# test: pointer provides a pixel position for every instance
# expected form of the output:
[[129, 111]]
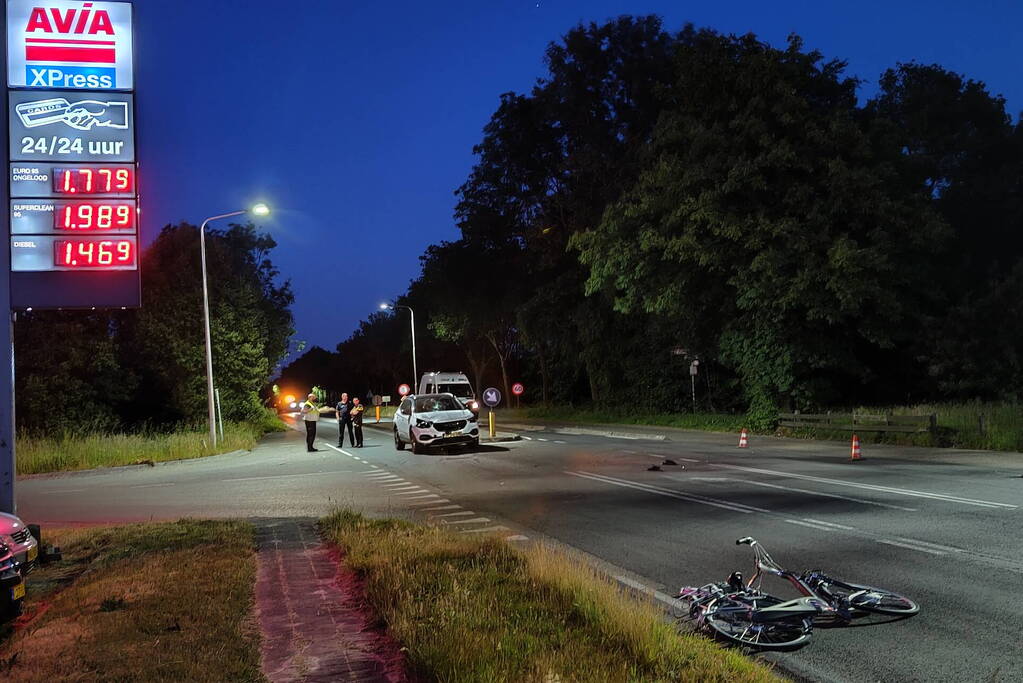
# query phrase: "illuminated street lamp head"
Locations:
[[260, 209], [385, 307]]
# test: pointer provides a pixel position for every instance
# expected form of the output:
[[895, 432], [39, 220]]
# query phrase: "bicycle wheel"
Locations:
[[870, 599], [730, 620]]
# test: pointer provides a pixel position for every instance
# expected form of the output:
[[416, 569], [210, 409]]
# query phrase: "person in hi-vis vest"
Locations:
[[310, 415]]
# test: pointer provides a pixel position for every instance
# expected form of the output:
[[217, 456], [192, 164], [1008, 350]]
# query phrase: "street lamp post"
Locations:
[[412, 321], [258, 210]]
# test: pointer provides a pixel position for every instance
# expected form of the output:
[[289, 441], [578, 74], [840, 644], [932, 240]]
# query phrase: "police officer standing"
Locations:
[[344, 419], [357, 410], [310, 415]]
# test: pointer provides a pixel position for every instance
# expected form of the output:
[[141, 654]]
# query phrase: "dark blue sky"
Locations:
[[356, 121]]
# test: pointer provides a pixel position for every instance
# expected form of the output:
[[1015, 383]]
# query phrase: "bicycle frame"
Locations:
[[808, 584]]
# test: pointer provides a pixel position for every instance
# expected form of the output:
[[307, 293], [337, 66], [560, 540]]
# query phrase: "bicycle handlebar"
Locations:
[[746, 540]]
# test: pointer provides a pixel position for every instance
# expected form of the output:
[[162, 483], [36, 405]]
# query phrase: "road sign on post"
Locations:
[[404, 389], [518, 389], [70, 200], [491, 398]]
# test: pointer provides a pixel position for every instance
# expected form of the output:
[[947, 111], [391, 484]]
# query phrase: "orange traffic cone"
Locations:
[[855, 455], [743, 440]]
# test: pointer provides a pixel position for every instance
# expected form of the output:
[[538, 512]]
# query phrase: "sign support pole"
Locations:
[[8, 460]]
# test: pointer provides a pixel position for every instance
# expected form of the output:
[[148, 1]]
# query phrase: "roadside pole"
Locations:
[[493, 427], [8, 459]]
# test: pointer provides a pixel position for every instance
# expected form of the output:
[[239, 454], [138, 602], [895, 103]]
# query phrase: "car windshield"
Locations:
[[462, 390], [431, 404]]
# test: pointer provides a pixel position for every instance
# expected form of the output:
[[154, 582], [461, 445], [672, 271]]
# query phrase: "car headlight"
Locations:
[[473, 405], [422, 423]]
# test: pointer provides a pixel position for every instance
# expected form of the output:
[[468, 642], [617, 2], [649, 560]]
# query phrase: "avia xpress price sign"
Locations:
[[72, 173]]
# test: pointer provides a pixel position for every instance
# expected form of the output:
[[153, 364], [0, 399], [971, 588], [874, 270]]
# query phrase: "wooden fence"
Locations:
[[861, 422]]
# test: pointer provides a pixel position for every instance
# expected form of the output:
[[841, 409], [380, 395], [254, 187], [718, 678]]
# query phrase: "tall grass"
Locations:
[[975, 425], [84, 450], [475, 609]]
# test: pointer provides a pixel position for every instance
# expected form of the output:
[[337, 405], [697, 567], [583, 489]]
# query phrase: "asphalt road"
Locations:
[[940, 526]]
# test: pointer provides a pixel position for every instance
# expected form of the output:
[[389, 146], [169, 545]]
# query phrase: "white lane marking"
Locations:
[[663, 597], [516, 537], [403, 486], [911, 547], [687, 459], [416, 493], [382, 477], [713, 502], [874, 487], [540, 439], [455, 514], [830, 524], [808, 524], [427, 502], [55, 491], [561, 442], [420, 497], [150, 486], [527, 438], [809, 492], [936, 546], [446, 507], [341, 450], [475, 520], [483, 530], [285, 476]]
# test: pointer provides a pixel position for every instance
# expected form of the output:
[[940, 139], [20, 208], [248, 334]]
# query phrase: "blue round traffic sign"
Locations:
[[491, 396]]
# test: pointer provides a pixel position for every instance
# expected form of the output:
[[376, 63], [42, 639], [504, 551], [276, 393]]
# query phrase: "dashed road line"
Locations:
[[285, 476], [936, 546], [910, 546], [819, 527], [946, 498], [446, 507], [809, 492], [150, 486], [427, 502], [475, 520], [692, 498], [464, 513]]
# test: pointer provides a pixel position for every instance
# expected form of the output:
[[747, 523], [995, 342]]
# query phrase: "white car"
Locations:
[[434, 420], [16, 536]]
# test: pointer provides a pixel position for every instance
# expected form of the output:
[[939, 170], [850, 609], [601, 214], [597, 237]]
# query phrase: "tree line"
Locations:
[[660, 197], [145, 369]]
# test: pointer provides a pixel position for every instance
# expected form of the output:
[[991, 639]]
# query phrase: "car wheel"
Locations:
[[398, 443], [475, 444]]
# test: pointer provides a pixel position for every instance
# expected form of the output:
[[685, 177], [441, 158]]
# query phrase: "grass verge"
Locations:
[[71, 451], [143, 602], [475, 609], [972, 425]]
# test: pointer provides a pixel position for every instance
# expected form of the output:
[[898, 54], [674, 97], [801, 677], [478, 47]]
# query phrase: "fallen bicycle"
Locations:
[[744, 615]]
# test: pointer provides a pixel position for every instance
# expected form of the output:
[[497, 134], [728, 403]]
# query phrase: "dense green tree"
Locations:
[[766, 213]]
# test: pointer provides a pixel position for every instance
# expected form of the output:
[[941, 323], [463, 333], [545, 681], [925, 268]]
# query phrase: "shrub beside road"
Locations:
[[972, 425], [475, 609], [142, 602]]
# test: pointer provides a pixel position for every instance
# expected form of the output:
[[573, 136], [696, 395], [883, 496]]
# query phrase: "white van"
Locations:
[[454, 383]]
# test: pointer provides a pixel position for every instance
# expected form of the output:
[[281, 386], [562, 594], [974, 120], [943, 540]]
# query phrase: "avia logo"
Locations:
[[72, 35]]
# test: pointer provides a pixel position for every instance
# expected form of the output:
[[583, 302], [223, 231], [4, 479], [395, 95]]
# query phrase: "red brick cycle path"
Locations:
[[314, 622]]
